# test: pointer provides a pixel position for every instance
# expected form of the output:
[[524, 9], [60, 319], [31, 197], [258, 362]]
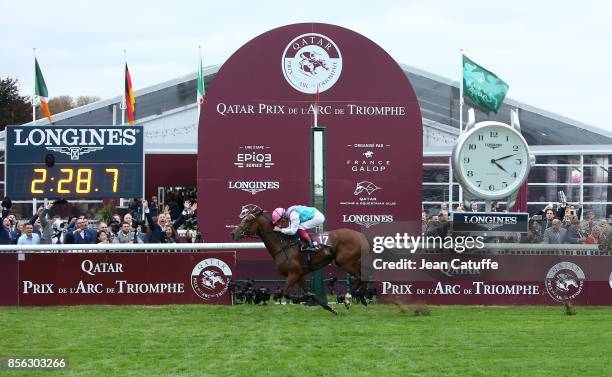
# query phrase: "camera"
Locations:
[[115, 226], [59, 225]]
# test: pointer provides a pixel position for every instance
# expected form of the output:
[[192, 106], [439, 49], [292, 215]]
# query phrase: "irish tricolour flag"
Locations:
[[40, 90]]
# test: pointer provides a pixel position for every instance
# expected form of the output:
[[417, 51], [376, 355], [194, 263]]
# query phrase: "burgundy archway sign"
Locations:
[[254, 142]]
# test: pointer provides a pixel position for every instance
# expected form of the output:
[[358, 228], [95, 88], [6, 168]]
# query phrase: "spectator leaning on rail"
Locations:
[[126, 235], [28, 238], [555, 234]]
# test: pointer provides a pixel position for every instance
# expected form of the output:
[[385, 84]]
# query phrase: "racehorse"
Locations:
[[345, 248]]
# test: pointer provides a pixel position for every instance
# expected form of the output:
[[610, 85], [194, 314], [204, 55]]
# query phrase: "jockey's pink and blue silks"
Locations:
[[277, 214], [302, 217]]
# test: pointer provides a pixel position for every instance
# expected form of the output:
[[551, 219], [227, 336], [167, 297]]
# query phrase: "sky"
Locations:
[[555, 55]]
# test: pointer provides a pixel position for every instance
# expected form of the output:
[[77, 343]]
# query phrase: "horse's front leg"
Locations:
[[323, 304], [292, 279]]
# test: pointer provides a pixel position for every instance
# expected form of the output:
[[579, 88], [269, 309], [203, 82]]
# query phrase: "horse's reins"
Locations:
[[284, 248]]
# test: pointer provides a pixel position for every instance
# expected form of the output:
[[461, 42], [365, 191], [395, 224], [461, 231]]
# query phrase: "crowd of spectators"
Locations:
[[557, 223], [144, 222]]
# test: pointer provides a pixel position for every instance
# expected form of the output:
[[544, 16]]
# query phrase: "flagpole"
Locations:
[[461, 95], [200, 76], [460, 199], [34, 92], [123, 100], [316, 109]]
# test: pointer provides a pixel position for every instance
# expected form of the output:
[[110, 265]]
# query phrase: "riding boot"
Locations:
[[311, 246]]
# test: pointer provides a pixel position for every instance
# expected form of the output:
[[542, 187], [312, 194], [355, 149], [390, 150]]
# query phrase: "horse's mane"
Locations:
[[267, 215]]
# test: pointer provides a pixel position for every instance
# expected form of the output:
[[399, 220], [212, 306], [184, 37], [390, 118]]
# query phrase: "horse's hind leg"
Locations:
[[323, 304]]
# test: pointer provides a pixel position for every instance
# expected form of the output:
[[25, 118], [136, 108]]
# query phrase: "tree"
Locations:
[[60, 104], [14, 109], [86, 100]]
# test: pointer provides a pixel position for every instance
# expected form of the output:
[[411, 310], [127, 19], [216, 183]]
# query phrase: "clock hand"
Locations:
[[503, 158], [493, 161]]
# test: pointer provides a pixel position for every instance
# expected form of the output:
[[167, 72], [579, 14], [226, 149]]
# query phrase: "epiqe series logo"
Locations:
[[311, 62], [253, 156], [210, 278], [564, 281]]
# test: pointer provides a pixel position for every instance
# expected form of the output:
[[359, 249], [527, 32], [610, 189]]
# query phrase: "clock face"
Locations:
[[493, 161]]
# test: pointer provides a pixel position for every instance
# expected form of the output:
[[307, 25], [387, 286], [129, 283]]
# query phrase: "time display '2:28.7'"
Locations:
[[78, 180], [494, 161]]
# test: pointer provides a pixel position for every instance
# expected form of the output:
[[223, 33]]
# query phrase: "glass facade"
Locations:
[[583, 178]]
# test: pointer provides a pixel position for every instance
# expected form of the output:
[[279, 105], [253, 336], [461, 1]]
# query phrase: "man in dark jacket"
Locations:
[[574, 234], [81, 233], [156, 228]]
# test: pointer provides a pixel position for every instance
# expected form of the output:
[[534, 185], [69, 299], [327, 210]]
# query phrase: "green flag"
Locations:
[[201, 92], [483, 87]]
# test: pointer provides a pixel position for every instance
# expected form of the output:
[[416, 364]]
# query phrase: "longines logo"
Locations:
[[493, 145], [312, 62], [76, 142], [254, 156], [253, 186], [367, 221], [490, 222]]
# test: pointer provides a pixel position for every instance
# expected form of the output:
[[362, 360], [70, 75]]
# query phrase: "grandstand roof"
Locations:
[[438, 98]]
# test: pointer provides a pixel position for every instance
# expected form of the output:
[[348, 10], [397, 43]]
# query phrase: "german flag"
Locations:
[[130, 100]]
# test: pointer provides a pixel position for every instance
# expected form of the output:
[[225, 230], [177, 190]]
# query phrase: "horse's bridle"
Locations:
[[250, 218]]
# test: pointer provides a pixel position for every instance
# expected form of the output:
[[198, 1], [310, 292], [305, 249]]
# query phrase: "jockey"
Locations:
[[301, 218]]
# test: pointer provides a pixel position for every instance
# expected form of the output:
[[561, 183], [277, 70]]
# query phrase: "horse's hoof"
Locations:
[[334, 311]]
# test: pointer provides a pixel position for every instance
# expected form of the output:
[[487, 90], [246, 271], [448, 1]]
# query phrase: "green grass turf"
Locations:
[[302, 341]]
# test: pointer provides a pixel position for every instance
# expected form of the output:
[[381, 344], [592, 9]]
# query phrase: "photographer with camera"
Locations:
[[115, 224]]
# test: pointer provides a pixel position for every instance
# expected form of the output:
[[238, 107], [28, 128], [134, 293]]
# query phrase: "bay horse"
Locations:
[[345, 248]]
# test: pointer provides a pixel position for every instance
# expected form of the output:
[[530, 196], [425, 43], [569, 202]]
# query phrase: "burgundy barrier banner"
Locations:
[[495, 279], [117, 278], [8, 279], [255, 137]]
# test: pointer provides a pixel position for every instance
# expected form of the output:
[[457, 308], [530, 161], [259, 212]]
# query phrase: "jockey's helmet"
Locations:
[[277, 214]]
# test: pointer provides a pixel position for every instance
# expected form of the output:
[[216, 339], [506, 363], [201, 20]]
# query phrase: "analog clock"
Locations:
[[491, 160]]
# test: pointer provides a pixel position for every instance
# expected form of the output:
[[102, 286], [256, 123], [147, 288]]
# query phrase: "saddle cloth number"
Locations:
[[321, 239]]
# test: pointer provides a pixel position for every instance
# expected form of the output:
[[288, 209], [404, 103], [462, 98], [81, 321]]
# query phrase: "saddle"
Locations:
[[319, 241]]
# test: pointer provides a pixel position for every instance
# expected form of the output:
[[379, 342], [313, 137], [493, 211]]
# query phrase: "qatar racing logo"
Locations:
[[564, 281], [210, 278], [366, 186], [312, 62]]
